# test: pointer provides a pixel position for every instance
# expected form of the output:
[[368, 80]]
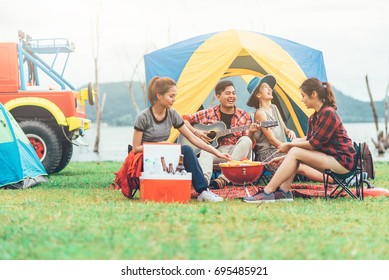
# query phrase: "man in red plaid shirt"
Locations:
[[238, 144]]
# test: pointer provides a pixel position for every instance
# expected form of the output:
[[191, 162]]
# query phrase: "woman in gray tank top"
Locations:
[[267, 139]]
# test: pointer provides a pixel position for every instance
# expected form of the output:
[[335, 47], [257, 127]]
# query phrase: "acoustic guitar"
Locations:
[[216, 130]]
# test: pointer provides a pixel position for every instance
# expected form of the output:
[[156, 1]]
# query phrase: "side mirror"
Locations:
[[88, 94], [91, 94]]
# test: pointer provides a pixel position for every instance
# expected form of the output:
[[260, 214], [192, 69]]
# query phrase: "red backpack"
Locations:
[[127, 178]]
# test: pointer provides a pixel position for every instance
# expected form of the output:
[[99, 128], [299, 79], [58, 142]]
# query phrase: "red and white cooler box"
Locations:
[[159, 186]]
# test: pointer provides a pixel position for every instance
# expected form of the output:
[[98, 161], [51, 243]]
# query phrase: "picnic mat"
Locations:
[[299, 190]]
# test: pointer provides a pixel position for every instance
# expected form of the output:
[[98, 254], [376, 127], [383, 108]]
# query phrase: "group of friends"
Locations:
[[325, 146]]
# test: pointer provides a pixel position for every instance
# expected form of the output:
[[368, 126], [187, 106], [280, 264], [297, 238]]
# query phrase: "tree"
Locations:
[[382, 139], [95, 50], [131, 83], [141, 77]]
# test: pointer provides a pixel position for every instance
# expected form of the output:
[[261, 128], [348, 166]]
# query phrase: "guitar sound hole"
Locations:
[[211, 134]]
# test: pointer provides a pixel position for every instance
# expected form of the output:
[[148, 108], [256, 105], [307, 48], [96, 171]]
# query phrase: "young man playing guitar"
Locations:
[[238, 144]]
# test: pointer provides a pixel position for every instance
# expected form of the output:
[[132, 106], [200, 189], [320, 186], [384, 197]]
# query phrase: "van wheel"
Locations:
[[45, 142], [67, 152]]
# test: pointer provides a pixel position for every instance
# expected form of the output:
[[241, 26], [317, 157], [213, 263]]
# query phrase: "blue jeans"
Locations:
[[192, 165]]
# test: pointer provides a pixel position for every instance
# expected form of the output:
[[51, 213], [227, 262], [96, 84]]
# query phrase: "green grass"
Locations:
[[74, 216]]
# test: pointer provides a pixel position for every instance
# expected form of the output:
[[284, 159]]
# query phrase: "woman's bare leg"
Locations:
[[285, 186], [287, 170], [310, 173]]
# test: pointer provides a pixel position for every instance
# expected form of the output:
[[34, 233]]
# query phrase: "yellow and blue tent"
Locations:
[[198, 64]]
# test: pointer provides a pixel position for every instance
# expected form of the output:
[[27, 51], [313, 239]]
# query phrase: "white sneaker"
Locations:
[[207, 195]]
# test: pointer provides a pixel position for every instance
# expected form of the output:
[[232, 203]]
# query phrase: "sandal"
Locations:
[[218, 183]]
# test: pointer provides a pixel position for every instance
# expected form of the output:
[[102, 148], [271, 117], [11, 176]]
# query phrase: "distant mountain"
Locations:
[[353, 110], [119, 111]]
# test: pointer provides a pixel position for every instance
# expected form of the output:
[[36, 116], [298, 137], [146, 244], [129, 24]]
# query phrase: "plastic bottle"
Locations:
[[149, 168], [157, 166]]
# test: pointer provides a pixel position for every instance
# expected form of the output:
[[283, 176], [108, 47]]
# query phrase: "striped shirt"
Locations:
[[327, 134], [212, 115]]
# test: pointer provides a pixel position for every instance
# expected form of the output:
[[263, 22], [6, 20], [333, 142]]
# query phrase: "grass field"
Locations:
[[74, 217]]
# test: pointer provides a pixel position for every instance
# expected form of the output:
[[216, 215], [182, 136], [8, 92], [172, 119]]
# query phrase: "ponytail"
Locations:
[[151, 94], [328, 95]]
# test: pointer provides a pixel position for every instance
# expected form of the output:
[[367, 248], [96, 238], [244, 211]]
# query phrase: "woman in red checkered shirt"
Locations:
[[326, 145]]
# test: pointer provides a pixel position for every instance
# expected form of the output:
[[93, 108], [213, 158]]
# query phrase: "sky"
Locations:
[[353, 35]]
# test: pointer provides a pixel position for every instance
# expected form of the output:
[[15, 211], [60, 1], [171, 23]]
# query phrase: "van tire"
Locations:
[[45, 142]]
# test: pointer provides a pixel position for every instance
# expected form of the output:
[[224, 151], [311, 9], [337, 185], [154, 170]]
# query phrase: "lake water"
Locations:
[[114, 142]]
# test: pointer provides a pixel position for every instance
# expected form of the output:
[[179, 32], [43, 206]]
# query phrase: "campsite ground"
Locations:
[[74, 217]]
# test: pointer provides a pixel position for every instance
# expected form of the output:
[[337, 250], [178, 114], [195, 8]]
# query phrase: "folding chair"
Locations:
[[216, 171], [343, 182], [265, 177]]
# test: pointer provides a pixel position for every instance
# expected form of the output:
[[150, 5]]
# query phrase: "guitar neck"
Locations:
[[232, 130], [238, 128]]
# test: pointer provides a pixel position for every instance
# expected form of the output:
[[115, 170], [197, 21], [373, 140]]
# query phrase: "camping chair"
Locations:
[[265, 177], [343, 182], [216, 171]]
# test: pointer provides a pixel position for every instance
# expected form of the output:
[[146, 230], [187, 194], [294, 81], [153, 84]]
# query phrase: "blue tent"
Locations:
[[20, 166], [197, 64]]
